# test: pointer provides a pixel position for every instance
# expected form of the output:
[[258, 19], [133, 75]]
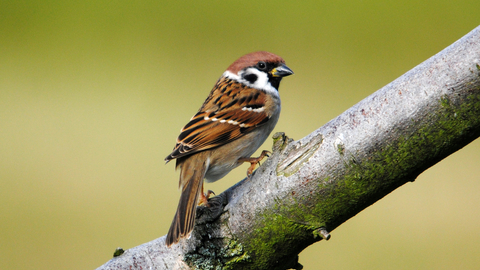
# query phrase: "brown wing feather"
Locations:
[[231, 111]]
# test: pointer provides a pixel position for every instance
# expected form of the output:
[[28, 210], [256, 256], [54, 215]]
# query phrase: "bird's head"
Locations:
[[261, 70]]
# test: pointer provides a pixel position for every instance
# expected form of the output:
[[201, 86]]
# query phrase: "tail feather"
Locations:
[[191, 181]]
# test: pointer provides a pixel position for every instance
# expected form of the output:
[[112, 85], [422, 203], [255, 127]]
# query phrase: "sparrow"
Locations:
[[233, 122]]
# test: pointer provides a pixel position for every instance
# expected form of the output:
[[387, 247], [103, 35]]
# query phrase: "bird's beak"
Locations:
[[281, 71]]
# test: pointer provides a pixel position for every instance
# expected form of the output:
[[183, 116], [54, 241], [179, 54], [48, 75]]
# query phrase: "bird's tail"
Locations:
[[191, 182]]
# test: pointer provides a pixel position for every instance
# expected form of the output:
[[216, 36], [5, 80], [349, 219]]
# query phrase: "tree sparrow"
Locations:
[[233, 122]]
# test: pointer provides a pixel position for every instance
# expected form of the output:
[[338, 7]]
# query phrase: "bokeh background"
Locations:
[[94, 93]]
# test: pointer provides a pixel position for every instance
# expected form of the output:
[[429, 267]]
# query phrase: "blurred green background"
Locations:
[[93, 94]]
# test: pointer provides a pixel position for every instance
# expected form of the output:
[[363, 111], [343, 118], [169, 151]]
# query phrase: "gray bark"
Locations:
[[309, 187]]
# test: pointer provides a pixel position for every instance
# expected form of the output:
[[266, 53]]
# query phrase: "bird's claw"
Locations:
[[254, 161], [204, 198]]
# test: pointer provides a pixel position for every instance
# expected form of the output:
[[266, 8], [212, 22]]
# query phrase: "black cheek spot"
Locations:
[[252, 78]]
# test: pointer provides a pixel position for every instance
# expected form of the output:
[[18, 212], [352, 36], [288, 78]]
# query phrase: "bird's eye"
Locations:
[[262, 65]]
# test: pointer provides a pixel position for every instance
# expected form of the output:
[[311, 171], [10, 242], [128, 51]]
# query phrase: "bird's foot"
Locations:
[[254, 161], [204, 198]]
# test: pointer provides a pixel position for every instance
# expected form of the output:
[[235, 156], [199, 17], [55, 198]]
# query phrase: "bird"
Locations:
[[236, 118]]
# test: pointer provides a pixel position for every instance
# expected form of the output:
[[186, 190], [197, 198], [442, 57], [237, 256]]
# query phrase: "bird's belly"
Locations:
[[225, 158], [217, 172], [221, 164]]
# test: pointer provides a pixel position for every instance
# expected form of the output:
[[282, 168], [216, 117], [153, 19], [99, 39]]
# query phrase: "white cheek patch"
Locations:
[[261, 83], [262, 79]]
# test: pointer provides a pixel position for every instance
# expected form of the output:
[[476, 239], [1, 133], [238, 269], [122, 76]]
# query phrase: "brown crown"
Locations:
[[252, 59]]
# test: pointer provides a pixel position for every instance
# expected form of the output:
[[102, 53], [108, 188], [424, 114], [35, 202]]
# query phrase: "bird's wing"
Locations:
[[231, 111]]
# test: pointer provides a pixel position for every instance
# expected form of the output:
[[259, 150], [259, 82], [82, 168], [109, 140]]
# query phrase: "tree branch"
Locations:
[[309, 187]]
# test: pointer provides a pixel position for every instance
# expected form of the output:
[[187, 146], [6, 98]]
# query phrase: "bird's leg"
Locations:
[[204, 197], [254, 161]]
